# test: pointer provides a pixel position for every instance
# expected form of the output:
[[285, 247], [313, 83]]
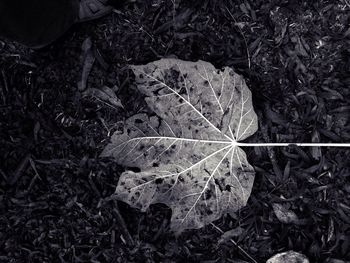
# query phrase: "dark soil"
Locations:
[[54, 188]]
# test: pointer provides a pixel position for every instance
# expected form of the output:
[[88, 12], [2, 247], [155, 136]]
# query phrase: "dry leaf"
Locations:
[[285, 215], [88, 62], [106, 95], [231, 234], [187, 153], [288, 257]]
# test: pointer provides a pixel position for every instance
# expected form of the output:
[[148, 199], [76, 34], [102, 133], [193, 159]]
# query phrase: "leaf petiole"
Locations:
[[243, 144]]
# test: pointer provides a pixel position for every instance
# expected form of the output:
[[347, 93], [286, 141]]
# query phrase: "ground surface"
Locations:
[[54, 188]]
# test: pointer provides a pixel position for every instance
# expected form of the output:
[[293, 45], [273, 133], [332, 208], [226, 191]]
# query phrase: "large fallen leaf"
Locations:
[[187, 152]]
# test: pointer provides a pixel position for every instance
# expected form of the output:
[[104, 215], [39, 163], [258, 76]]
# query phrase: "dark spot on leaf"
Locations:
[[157, 91], [182, 91], [207, 194], [155, 165], [228, 188], [219, 184], [173, 146], [138, 121], [159, 181]]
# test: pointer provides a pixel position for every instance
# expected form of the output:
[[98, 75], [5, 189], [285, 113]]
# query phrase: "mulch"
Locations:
[[55, 190]]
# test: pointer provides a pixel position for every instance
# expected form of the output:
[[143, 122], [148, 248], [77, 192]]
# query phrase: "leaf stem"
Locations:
[[243, 144]]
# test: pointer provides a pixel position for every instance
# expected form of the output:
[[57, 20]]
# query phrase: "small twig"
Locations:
[[36, 175], [123, 228], [5, 91], [235, 243], [100, 59], [32, 164], [32, 181], [5, 81], [245, 40], [3, 175], [19, 170]]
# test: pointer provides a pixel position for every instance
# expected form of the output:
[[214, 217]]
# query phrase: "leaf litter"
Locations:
[[273, 75]]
